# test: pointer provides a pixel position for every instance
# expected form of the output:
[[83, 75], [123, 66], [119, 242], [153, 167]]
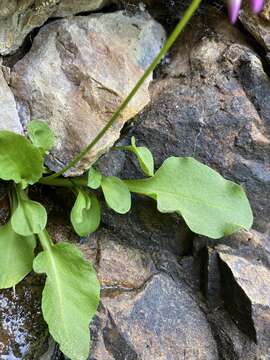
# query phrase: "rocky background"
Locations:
[[167, 293]]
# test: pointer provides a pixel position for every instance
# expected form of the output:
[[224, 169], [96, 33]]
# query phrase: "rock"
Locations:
[[147, 324], [216, 110], [68, 7], [246, 291], [212, 104], [232, 343], [119, 265], [77, 73], [18, 19], [22, 330], [144, 311], [7, 8], [258, 26], [8, 112]]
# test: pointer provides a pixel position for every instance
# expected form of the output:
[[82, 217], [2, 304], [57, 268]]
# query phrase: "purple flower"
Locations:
[[235, 5], [256, 5]]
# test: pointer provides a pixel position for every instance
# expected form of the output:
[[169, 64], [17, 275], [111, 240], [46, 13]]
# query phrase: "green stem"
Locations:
[[181, 25], [63, 182], [45, 240]]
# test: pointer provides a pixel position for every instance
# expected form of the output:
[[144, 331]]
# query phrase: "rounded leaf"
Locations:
[[20, 161], [210, 205], [29, 218], [117, 194], [85, 219], [41, 135], [94, 178]]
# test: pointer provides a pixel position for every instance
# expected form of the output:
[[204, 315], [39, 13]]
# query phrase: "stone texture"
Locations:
[[8, 112], [258, 26], [147, 324], [68, 7], [19, 18], [77, 73], [213, 104], [246, 291], [145, 309], [22, 329]]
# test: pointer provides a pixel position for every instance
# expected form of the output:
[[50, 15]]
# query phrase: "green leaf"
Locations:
[[20, 161], [16, 256], [116, 193], [41, 135], [94, 178], [210, 205], [144, 157], [70, 297], [29, 217], [85, 214]]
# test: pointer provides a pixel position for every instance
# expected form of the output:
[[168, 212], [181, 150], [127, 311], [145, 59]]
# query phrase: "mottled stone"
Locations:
[[213, 104], [22, 329], [77, 73], [69, 7], [258, 26], [148, 324], [246, 291], [19, 18], [9, 119], [120, 265]]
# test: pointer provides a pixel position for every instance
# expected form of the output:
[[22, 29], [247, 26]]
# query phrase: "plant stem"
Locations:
[[80, 181], [181, 25], [45, 240]]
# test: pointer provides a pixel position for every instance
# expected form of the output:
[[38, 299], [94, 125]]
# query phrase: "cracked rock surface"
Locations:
[[19, 17], [76, 74]]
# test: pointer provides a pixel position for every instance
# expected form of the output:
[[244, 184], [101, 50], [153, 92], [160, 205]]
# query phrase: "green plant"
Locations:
[[210, 205]]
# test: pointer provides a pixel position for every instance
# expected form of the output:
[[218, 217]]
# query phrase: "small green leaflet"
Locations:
[[144, 157], [210, 205], [41, 135], [117, 194], [16, 256], [94, 178], [20, 161], [70, 297], [29, 217], [143, 154], [85, 214]]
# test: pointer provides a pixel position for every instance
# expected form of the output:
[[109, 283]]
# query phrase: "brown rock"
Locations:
[[258, 26], [246, 290], [19, 18], [77, 73]]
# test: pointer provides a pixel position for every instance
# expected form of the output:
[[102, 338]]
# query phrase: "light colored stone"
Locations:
[[9, 119], [70, 7], [246, 290], [258, 26], [78, 72], [19, 18]]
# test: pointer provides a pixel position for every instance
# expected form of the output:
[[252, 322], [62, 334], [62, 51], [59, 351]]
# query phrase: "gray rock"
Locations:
[[68, 7], [22, 329], [246, 292], [258, 26], [147, 324], [8, 111], [77, 73], [213, 105], [144, 311], [19, 18]]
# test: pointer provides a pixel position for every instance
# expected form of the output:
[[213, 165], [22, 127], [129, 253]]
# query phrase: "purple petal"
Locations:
[[256, 5], [233, 9]]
